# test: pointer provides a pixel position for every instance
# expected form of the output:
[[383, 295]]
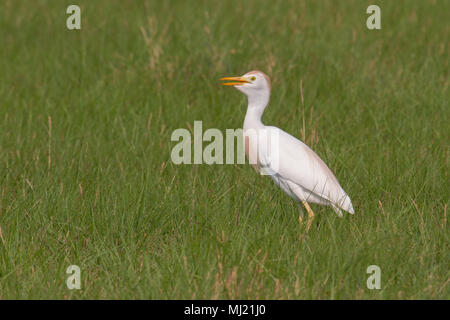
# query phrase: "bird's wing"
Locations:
[[295, 161]]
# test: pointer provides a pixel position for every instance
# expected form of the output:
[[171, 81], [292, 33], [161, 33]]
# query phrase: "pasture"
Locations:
[[86, 177]]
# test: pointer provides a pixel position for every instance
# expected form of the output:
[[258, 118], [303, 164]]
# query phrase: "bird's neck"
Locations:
[[255, 110]]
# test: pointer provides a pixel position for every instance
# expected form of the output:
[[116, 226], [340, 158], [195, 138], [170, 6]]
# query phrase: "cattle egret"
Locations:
[[298, 170]]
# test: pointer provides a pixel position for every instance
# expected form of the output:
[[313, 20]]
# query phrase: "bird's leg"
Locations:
[[310, 215], [301, 213]]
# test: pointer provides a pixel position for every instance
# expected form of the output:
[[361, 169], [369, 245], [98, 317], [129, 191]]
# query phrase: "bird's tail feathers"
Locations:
[[345, 204], [337, 210]]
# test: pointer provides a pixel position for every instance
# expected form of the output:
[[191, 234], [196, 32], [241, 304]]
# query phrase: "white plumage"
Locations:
[[292, 165]]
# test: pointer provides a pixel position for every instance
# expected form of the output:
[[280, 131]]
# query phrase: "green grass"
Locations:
[[86, 176]]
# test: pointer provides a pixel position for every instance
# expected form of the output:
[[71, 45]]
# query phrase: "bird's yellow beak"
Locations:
[[236, 81]]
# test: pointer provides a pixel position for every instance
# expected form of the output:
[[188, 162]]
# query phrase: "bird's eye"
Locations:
[[253, 78]]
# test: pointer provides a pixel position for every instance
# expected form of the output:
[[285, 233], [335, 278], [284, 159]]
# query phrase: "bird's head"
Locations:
[[253, 83]]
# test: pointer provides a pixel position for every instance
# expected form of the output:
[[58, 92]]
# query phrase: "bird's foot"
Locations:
[[309, 223]]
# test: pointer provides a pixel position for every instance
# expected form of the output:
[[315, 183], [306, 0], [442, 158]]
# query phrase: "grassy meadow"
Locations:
[[86, 177]]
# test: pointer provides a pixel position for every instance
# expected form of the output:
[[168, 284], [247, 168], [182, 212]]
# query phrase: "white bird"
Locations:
[[292, 165]]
